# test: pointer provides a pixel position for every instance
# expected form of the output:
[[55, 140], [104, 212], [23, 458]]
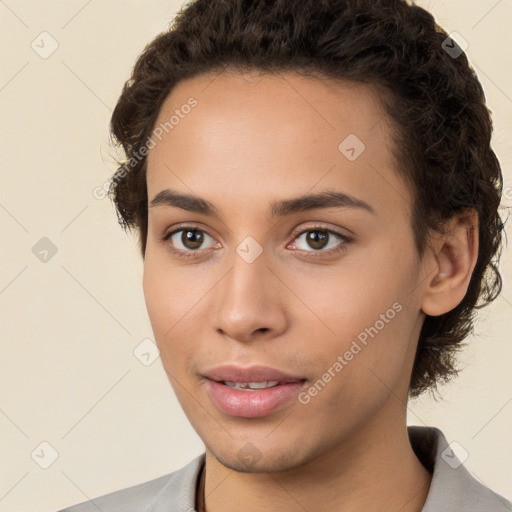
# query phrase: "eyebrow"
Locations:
[[324, 199]]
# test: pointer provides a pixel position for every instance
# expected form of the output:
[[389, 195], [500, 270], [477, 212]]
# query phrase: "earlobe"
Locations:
[[455, 254]]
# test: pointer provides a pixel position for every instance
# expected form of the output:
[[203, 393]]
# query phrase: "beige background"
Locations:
[[68, 375]]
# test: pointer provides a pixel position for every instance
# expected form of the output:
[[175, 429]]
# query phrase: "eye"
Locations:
[[187, 240], [319, 239], [191, 241]]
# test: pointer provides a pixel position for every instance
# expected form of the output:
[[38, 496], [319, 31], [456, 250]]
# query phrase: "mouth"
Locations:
[[230, 373], [251, 392], [255, 386]]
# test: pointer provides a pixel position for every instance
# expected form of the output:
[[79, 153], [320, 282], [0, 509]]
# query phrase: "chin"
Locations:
[[249, 459]]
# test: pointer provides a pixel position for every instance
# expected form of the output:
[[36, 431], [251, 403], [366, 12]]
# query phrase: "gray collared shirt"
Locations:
[[453, 488]]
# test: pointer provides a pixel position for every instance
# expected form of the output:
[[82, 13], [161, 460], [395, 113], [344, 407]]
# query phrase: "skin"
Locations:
[[251, 140]]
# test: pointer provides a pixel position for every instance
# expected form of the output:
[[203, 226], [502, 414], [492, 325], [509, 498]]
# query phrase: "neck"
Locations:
[[374, 466]]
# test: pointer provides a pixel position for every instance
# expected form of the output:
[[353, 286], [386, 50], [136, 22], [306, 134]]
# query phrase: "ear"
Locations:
[[454, 255]]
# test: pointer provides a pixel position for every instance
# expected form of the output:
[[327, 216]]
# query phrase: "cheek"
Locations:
[[166, 308], [367, 361], [169, 293], [351, 297], [370, 314], [174, 303]]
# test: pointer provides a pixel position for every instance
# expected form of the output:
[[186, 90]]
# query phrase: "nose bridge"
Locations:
[[248, 300]]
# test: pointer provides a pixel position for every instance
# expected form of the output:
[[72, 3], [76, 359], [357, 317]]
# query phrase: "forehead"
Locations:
[[286, 130], [281, 104]]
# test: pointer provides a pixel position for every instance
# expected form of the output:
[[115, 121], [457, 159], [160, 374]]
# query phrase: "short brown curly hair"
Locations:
[[443, 127]]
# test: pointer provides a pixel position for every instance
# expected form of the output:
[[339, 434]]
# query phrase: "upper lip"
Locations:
[[233, 373]]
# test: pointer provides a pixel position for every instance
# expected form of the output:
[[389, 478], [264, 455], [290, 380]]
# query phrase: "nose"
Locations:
[[250, 302]]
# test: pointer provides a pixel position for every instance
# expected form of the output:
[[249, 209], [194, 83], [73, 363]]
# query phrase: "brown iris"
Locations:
[[317, 239], [192, 239]]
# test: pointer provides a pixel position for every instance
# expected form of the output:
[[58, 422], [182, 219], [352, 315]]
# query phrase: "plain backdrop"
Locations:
[[73, 395]]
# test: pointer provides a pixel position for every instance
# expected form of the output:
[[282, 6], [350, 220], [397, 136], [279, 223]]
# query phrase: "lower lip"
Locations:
[[251, 404]]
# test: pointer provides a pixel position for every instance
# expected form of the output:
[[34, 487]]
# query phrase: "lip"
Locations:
[[235, 373], [251, 404]]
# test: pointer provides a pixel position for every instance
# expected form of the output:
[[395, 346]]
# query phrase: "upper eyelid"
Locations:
[[187, 227], [319, 228]]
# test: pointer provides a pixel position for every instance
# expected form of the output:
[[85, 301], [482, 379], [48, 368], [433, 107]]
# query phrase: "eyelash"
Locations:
[[344, 240]]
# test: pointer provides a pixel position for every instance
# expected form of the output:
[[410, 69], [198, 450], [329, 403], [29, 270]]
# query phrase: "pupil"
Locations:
[[317, 239], [192, 239]]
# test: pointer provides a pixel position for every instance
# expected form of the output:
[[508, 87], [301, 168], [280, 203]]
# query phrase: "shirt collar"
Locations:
[[452, 488]]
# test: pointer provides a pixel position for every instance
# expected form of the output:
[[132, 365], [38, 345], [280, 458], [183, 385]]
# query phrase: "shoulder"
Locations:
[[453, 488], [174, 491]]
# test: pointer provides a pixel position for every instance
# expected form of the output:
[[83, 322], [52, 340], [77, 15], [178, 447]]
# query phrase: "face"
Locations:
[[325, 293]]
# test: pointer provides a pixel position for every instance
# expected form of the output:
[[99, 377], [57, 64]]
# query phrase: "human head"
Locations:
[[435, 102]]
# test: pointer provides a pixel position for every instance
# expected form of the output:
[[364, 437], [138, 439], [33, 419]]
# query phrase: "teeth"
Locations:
[[252, 385]]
